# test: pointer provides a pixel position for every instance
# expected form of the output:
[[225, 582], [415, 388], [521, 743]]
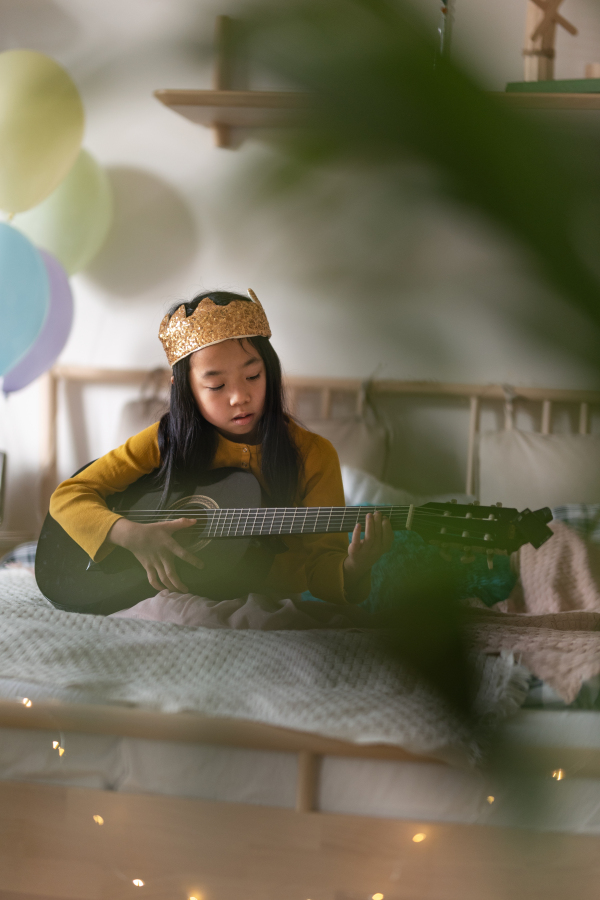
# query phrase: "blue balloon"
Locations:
[[24, 295]]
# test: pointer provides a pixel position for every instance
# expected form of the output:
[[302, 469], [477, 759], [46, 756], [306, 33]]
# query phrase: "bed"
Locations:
[[229, 806]]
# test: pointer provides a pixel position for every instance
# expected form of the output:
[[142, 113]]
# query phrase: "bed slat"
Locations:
[[307, 784]]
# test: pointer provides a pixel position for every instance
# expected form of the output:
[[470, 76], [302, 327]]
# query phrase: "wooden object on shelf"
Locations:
[[592, 70], [540, 37]]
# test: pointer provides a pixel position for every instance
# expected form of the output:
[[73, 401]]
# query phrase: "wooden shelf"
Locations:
[[268, 109], [238, 109], [544, 100]]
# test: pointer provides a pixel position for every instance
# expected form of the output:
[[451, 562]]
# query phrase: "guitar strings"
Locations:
[[291, 510], [287, 512], [338, 512]]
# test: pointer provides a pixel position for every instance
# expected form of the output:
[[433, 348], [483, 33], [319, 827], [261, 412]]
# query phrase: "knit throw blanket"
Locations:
[[336, 683], [551, 621]]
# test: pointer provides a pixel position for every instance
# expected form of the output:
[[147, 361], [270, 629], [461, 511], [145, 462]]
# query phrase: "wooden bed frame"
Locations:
[[182, 848], [327, 390]]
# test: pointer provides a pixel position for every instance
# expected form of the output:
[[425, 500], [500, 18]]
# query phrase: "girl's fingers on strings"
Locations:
[[388, 534], [356, 541], [378, 526]]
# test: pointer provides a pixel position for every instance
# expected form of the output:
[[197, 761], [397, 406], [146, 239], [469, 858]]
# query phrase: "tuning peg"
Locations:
[[490, 559], [497, 504], [476, 503]]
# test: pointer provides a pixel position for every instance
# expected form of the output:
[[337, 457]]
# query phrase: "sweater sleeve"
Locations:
[[78, 504], [325, 553]]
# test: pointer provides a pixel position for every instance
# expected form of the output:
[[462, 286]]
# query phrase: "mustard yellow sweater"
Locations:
[[312, 561]]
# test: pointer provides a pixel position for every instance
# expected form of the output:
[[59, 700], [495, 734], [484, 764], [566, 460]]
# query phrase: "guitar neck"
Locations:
[[296, 520], [483, 528]]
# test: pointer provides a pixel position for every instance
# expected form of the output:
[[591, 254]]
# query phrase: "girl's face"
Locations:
[[228, 381]]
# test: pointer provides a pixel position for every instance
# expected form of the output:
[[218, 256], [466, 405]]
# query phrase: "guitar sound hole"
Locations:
[[190, 537]]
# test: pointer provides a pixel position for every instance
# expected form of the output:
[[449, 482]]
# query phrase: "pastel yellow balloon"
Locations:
[[41, 127], [73, 222]]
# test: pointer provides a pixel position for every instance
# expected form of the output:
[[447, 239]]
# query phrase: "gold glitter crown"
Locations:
[[209, 324]]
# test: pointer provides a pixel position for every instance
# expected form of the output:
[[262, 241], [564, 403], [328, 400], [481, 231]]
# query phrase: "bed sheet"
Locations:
[[337, 683]]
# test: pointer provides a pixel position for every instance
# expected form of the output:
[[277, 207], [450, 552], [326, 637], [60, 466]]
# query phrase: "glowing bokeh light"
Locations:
[[558, 774], [417, 838], [138, 882], [490, 799], [98, 820], [26, 701], [377, 897]]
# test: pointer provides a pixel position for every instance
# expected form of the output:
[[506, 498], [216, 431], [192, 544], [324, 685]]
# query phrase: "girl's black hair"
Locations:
[[187, 442]]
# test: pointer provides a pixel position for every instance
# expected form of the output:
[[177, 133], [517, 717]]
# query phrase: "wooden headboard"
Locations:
[[329, 398]]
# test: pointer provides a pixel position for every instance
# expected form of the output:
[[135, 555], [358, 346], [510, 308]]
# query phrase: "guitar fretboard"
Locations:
[[216, 523]]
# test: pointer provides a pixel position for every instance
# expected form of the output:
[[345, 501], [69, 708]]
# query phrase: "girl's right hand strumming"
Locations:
[[155, 548]]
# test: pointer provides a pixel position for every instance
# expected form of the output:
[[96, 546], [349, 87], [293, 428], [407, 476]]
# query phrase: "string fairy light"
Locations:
[[138, 882], [98, 820], [490, 799], [377, 897], [26, 702], [558, 774], [417, 838]]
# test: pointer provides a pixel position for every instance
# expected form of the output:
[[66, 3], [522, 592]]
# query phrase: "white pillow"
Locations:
[[525, 469], [361, 487], [360, 444]]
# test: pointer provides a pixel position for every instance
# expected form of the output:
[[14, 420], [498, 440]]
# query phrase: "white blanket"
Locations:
[[334, 683]]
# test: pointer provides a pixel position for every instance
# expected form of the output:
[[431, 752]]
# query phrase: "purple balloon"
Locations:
[[53, 336]]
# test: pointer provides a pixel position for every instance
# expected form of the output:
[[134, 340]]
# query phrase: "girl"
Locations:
[[226, 410]]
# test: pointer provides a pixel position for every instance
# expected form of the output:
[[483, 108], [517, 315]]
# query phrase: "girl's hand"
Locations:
[[362, 554], [155, 547]]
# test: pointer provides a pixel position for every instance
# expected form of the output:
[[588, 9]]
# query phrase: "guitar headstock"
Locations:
[[481, 529]]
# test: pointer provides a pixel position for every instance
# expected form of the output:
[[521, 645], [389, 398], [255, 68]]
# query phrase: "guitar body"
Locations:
[[232, 566]]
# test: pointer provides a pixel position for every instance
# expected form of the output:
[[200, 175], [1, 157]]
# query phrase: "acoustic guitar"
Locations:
[[236, 538]]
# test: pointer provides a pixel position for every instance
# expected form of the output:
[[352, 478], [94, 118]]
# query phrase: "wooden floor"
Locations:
[[50, 847]]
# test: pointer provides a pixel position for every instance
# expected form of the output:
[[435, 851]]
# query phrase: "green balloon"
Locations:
[[73, 222], [41, 127]]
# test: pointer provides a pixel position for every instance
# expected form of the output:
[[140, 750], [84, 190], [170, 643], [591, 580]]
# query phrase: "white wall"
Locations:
[[453, 310]]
